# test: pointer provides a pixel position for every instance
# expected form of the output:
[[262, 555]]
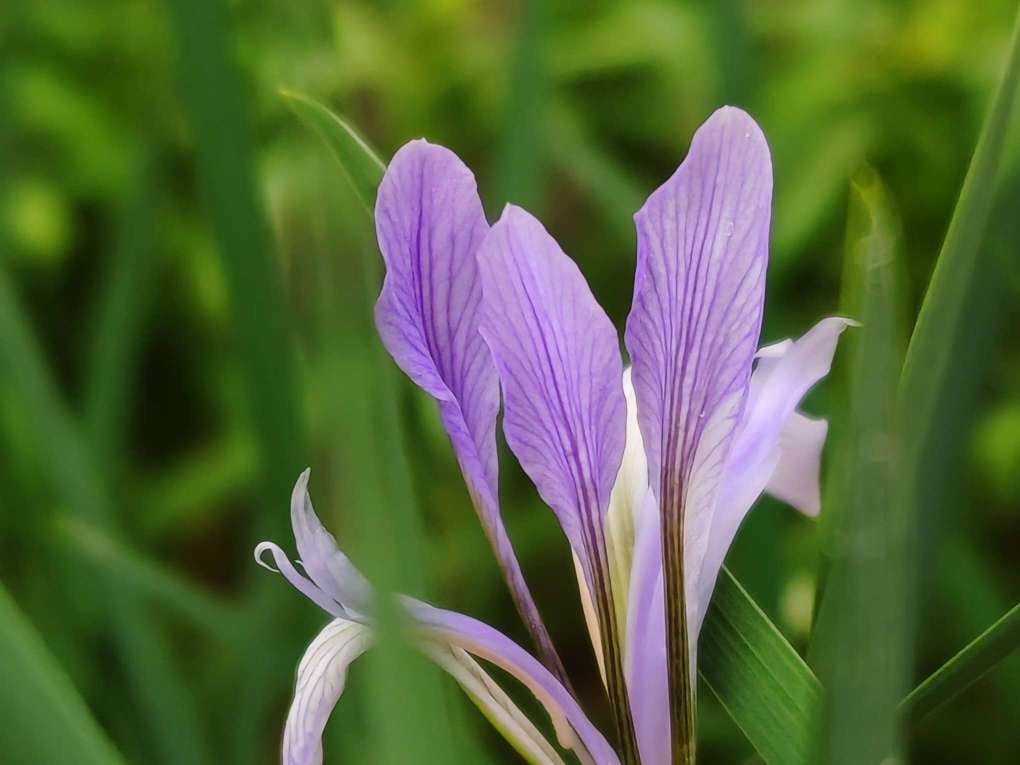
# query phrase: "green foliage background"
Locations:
[[194, 359]]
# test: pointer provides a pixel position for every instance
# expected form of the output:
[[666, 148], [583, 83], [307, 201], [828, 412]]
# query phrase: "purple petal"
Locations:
[[795, 479], [559, 363], [430, 224], [328, 567], [647, 681], [775, 446], [692, 334], [479, 639], [321, 677]]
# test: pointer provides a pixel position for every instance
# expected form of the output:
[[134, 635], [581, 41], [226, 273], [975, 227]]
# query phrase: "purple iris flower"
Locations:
[[649, 470]]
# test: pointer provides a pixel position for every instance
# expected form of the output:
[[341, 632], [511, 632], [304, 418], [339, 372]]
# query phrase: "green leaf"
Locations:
[[956, 323], [966, 668], [862, 664], [761, 681], [405, 706], [360, 163], [156, 689], [44, 718], [214, 92]]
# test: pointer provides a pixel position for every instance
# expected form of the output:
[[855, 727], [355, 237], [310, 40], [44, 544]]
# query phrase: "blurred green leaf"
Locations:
[[44, 718], [359, 162], [406, 704], [965, 668], [119, 321], [214, 94], [159, 692], [860, 637], [946, 352], [768, 690]]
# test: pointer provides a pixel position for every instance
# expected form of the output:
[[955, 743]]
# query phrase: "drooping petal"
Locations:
[[321, 677], [573, 729], [795, 480], [430, 224], [321, 557], [494, 703], [692, 334], [302, 584], [558, 359], [775, 445], [559, 363]]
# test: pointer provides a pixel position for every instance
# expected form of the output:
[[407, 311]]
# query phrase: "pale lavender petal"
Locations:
[[321, 677], [300, 583], [645, 662], [494, 703], [795, 480], [559, 362], [774, 443], [328, 567], [430, 224], [692, 334], [573, 729]]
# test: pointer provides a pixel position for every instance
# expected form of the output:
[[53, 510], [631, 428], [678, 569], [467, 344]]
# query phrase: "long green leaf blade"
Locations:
[[360, 163], [978, 658], [45, 720], [946, 353], [860, 640], [761, 681], [406, 704]]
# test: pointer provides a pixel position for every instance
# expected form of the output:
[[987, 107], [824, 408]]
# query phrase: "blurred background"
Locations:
[[185, 284]]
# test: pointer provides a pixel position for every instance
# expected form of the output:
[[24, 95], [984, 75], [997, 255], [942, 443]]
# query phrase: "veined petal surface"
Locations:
[[692, 334], [559, 362], [321, 677], [430, 224], [558, 359]]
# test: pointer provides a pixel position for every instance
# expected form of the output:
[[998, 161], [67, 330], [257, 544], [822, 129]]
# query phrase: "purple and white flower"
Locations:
[[649, 470]]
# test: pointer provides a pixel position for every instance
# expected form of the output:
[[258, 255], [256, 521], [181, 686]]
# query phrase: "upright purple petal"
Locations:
[[692, 334], [430, 224], [559, 363]]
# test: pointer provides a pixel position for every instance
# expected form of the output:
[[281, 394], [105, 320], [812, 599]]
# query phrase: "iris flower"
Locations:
[[649, 470]]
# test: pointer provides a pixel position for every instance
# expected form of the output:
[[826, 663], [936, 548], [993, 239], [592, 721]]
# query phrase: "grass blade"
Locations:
[[157, 688], [947, 349], [862, 631], [965, 668], [360, 163], [214, 95], [406, 704], [44, 718], [118, 322], [761, 681]]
